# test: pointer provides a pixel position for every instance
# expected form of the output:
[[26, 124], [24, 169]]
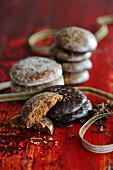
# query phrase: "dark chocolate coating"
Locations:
[[82, 112], [71, 102]]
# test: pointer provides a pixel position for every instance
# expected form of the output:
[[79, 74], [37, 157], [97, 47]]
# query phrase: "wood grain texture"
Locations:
[[18, 19]]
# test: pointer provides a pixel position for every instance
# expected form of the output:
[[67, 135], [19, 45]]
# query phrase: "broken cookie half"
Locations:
[[43, 125], [38, 106]]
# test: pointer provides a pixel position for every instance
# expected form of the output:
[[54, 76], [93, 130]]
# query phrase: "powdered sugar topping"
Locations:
[[35, 71]]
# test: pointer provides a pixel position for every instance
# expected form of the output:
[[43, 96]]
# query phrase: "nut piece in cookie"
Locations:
[[76, 39], [38, 106], [44, 124]]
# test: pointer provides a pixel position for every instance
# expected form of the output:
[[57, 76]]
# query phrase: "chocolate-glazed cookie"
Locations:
[[71, 102], [66, 55], [82, 112], [76, 39]]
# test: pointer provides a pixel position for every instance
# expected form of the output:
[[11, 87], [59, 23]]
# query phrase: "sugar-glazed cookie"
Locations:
[[77, 67], [76, 39], [19, 88], [76, 78], [66, 55], [33, 71]]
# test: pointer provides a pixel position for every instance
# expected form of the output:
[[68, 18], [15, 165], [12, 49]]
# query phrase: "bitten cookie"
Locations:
[[71, 102], [34, 71], [38, 106], [76, 78], [66, 55], [76, 39], [18, 88], [77, 67]]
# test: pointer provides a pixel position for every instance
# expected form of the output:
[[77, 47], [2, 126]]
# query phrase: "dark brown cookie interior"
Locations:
[[44, 124]]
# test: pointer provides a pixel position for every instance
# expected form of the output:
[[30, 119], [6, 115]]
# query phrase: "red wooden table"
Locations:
[[18, 19]]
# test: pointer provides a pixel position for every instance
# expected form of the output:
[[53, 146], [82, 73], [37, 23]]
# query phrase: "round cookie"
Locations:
[[18, 88], [76, 78], [71, 102], [38, 106], [35, 71], [65, 55], [77, 67], [82, 112], [76, 39]]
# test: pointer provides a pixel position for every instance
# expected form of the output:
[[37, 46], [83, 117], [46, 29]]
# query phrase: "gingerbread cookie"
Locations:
[[70, 117], [71, 102], [34, 71], [38, 106], [43, 125], [66, 55], [77, 67], [18, 88], [76, 78], [76, 39]]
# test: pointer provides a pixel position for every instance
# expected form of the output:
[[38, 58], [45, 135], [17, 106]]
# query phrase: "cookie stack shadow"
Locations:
[[72, 49]]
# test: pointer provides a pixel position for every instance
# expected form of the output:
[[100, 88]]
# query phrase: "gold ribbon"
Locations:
[[91, 147], [103, 31], [40, 35]]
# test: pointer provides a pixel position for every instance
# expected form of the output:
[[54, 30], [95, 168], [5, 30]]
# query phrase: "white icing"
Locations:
[[18, 88], [76, 78], [77, 39], [77, 66], [35, 70]]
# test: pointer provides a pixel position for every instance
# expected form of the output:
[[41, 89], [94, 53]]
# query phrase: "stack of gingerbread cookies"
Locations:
[[34, 73], [73, 48]]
